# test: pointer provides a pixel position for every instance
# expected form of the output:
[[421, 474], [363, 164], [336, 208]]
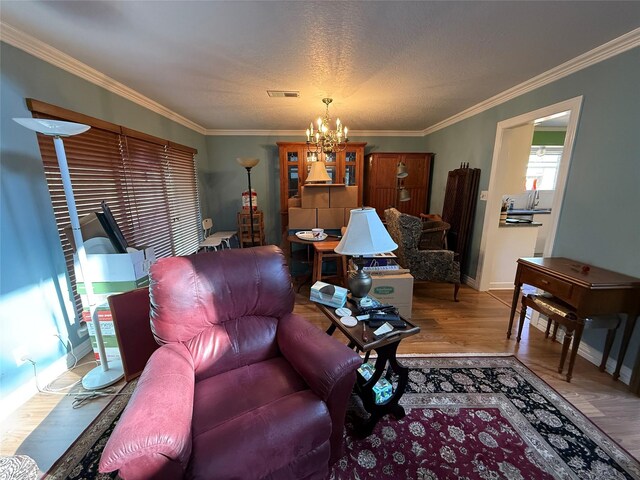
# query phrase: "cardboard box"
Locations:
[[294, 202], [303, 218], [382, 390], [111, 273], [116, 272], [328, 294], [315, 197], [331, 218], [107, 328], [366, 370], [90, 227], [343, 197], [396, 290]]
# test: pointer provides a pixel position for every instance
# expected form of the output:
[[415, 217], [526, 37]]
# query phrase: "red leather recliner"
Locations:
[[241, 387]]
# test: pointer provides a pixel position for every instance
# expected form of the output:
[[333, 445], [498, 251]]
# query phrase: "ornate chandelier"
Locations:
[[323, 139]]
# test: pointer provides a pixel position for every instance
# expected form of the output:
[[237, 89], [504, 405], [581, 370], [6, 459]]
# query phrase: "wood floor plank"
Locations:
[[46, 425]]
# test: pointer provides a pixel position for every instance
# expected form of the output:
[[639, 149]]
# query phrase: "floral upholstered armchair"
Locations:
[[432, 265]]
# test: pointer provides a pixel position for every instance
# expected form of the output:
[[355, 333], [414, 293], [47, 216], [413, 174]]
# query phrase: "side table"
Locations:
[[361, 339]]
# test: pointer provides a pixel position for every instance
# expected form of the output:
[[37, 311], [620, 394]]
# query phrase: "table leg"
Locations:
[[577, 336], [514, 305], [632, 316], [317, 269], [386, 354], [523, 312]]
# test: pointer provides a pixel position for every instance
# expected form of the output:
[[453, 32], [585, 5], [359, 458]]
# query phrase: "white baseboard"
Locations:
[[500, 285], [589, 353], [22, 394]]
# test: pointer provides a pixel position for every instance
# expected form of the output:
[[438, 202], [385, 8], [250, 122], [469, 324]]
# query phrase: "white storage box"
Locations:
[[111, 273]]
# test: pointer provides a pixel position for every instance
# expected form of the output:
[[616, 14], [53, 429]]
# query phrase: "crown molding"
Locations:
[[41, 50], [55, 57], [218, 132], [300, 133], [385, 133], [603, 52]]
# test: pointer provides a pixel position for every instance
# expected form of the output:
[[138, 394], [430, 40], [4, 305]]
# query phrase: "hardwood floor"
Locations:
[[46, 425]]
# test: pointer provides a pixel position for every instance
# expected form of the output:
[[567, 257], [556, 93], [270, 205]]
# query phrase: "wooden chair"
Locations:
[[434, 232]]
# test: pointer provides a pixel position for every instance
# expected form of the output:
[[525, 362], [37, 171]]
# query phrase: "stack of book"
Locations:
[[328, 294]]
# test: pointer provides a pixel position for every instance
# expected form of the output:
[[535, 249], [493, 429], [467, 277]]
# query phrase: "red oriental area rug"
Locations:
[[481, 418], [469, 418]]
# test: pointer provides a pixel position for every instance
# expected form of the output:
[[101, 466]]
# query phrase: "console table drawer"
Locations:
[[552, 285]]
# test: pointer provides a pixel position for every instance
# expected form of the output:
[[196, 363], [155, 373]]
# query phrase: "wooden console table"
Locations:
[[589, 290]]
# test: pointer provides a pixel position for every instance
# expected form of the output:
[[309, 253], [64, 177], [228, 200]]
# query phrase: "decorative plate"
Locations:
[[308, 236]]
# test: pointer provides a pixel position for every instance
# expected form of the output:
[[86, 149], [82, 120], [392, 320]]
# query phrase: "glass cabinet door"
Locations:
[[350, 162], [293, 174], [331, 163]]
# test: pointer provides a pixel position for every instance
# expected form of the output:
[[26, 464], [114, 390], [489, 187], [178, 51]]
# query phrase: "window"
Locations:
[[149, 184], [542, 169]]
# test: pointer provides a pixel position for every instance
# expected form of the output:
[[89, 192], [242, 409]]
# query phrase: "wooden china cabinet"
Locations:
[[382, 184], [344, 168]]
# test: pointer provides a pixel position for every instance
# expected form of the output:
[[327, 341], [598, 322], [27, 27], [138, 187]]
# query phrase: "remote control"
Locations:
[[394, 323], [383, 316]]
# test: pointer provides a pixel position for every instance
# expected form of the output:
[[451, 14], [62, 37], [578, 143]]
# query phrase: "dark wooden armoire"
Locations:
[[459, 208], [382, 186]]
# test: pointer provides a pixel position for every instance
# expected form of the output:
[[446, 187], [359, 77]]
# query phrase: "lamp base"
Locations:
[[98, 378], [359, 281]]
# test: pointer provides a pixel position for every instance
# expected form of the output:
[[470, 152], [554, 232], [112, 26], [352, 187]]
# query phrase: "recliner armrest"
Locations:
[[320, 359], [152, 439]]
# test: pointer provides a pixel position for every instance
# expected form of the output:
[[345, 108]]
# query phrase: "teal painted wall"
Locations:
[[34, 298], [223, 180], [600, 223]]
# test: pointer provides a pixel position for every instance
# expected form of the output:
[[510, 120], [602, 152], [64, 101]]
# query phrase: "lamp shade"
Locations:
[[404, 195], [54, 128], [365, 234], [401, 171], [248, 162], [318, 173]]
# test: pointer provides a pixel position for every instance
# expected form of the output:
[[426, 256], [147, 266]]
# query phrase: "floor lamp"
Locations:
[[107, 373], [249, 163]]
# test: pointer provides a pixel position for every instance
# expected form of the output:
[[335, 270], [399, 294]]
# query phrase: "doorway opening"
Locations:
[[496, 267]]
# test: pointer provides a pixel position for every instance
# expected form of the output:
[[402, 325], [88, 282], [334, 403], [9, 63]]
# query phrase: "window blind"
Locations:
[[149, 184]]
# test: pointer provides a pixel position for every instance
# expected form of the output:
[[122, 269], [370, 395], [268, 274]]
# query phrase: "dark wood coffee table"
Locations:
[[361, 339]]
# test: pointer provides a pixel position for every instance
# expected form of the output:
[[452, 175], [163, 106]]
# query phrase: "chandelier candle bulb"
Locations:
[[325, 139]]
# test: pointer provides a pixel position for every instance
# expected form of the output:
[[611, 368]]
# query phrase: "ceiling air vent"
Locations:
[[283, 93]]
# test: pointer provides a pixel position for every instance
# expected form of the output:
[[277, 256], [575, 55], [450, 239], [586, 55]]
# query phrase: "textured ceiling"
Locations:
[[388, 65]]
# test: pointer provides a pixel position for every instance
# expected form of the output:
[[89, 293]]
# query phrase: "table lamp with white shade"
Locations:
[[365, 236], [108, 372]]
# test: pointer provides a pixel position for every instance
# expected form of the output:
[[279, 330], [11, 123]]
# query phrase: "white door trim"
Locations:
[[492, 212]]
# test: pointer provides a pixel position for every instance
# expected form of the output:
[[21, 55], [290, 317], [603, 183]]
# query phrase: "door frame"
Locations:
[[494, 197]]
